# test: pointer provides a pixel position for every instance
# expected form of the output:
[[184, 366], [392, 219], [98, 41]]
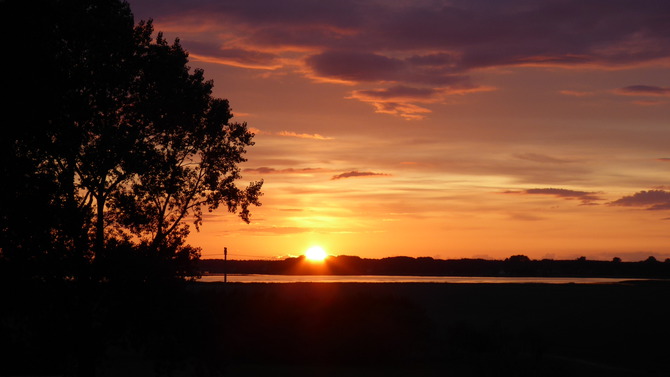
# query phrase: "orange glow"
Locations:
[[501, 157], [316, 254]]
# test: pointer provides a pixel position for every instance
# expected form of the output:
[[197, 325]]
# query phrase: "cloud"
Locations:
[[457, 36], [653, 93], [355, 173], [541, 158], [363, 67], [429, 44], [585, 196], [402, 100], [663, 159], [405, 110], [644, 90], [648, 102], [525, 217], [397, 93], [298, 135], [275, 229], [237, 57], [356, 66], [258, 131], [399, 100], [652, 200], [303, 135], [576, 93], [268, 170]]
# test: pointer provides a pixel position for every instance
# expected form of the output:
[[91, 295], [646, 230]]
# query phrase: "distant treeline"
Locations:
[[517, 265]]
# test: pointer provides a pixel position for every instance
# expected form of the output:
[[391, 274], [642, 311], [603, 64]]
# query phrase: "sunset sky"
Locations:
[[449, 129]]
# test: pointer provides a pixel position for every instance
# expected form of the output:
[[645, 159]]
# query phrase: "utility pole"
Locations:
[[225, 264]]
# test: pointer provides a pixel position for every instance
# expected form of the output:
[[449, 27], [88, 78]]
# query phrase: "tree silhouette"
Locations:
[[127, 143]]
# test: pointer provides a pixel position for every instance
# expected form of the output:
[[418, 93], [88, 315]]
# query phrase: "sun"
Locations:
[[316, 254]]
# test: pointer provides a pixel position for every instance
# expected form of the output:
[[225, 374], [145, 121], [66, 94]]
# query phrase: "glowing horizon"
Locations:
[[316, 254]]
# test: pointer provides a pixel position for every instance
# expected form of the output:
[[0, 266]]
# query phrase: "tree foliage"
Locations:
[[116, 142]]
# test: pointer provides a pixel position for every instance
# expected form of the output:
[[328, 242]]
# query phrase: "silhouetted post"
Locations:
[[225, 264]]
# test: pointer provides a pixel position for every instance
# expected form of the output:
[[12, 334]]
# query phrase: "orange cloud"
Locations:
[[398, 93], [303, 135], [258, 131], [268, 170], [404, 110], [355, 173], [401, 100], [240, 58]]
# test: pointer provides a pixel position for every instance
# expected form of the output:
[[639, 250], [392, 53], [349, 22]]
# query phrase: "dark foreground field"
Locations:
[[349, 329]]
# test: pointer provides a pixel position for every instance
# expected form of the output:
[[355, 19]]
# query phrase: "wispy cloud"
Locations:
[[237, 57], [648, 102], [542, 158], [354, 173], [260, 230], [577, 93], [586, 197], [407, 111], [399, 93], [303, 135], [644, 90], [298, 135], [651, 200], [268, 170], [401, 100]]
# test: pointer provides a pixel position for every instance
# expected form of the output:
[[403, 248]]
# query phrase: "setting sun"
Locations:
[[316, 253]]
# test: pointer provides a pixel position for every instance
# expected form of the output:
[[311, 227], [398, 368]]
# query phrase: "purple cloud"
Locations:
[[355, 66], [585, 196], [355, 173], [643, 90], [541, 158], [358, 67], [459, 35], [576, 93], [652, 200], [434, 45]]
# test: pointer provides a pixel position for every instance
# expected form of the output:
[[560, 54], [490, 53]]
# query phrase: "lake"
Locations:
[[252, 278]]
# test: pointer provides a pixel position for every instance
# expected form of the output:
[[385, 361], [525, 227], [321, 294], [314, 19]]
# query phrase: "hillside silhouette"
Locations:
[[514, 266]]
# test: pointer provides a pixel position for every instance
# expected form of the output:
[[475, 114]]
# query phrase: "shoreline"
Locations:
[[402, 279]]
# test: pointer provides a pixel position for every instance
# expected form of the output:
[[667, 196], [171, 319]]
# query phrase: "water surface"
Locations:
[[253, 278]]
